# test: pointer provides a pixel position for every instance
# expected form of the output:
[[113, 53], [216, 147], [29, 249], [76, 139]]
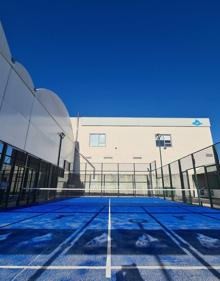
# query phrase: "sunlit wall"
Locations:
[[31, 119]]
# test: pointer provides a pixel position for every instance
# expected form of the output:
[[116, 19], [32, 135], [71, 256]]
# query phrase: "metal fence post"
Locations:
[[134, 180], [196, 179], [22, 181], [104, 182], [90, 178], [150, 192], [171, 182], [13, 160], [188, 183], [3, 154], [118, 178], [164, 195], [101, 176], [36, 184], [85, 174], [216, 162], [208, 187], [2, 160], [182, 182]]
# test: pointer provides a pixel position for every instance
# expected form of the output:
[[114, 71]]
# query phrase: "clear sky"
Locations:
[[151, 58]]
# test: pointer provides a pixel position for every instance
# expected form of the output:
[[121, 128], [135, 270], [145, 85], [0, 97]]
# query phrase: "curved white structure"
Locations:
[[30, 119]]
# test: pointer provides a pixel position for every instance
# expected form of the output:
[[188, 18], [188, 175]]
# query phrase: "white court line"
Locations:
[[113, 267], [108, 259]]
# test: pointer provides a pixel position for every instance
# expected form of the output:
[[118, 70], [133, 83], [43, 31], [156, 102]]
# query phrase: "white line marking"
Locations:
[[108, 260], [113, 267], [174, 267], [50, 267], [76, 233]]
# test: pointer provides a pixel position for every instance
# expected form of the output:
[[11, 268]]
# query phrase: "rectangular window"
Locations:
[[163, 140], [97, 140]]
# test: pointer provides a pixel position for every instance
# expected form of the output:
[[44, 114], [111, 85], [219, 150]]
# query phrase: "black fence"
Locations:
[[193, 179], [26, 179], [24, 176], [115, 179]]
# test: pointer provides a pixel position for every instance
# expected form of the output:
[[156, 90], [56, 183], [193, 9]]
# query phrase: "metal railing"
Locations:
[[112, 178], [194, 179]]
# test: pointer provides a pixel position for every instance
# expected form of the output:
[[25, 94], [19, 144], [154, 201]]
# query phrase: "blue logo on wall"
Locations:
[[197, 123]]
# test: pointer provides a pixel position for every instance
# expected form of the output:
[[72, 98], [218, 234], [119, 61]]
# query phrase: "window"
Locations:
[[163, 140], [97, 140]]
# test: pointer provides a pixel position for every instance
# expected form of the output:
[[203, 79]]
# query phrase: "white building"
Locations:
[[31, 119], [135, 140]]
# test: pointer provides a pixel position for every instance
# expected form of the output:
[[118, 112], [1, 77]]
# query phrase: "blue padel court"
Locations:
[[91, 238]]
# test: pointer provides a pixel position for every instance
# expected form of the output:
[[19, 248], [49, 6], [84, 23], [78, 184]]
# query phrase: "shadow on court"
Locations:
[[129, 274], [206, 241], [139, 234], [31, 241], [125, 242]]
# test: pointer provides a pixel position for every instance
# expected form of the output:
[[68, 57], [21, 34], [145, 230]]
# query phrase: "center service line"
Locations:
[[108, 260]]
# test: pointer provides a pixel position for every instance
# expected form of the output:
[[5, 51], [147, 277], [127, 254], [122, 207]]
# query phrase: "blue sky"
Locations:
[[150, 58]]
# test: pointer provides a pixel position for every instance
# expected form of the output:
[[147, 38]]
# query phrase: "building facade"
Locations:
[[36, 136], [31, 119], [137, 140]]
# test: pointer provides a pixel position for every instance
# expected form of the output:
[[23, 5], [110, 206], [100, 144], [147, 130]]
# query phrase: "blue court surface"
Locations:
[[91, 238]]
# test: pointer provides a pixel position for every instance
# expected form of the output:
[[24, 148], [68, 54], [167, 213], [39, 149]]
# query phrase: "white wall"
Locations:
[[31, 119], [135, 137]]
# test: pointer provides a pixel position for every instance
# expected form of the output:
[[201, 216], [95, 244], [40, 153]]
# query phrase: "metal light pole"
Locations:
[[62, 136]]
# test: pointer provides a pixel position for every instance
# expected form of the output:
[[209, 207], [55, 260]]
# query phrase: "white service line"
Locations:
[[108, 273], [113, 267]]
